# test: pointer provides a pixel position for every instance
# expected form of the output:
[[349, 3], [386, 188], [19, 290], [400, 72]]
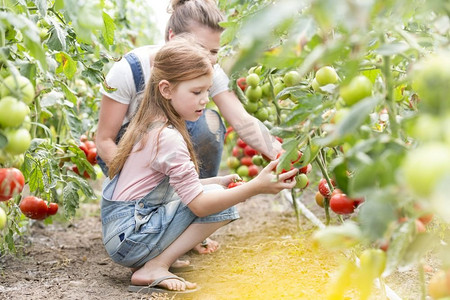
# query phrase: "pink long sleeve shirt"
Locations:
[[144, 169]]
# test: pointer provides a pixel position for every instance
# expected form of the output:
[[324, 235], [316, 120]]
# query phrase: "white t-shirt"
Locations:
[[120, 78]]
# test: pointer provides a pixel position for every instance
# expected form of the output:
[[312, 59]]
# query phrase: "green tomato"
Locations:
[[255, 69], [302, 181], [278, 88], [19, 141], [359, 88], [2, 218], [315, 85], [291, 78], [233, 162], [12, 112], [18, 86], [257, 160], [242, 171], [431, 78], [425, 166], [266, 90], [262, 114], [252, 80], [253, 93], [251, 107], [326, 75]]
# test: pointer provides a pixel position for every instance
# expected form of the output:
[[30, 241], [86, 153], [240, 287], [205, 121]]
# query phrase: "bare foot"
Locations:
[[151, 272], [177, 264], [207, 248]]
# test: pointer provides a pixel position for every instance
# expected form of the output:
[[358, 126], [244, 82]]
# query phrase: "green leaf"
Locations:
[[51, 99], [290, 154], [35, 179], [95, 76], [42, 7], [392, 49], [66, 64], [374, 225], [3, 140], [57, 38], [422, 243], [70, 95], [338, 237], [352, 120], [400, 242], [108, 29], [70, 199]]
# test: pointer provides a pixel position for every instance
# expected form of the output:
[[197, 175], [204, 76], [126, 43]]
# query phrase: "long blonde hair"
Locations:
[[185, 14], [178, 60]]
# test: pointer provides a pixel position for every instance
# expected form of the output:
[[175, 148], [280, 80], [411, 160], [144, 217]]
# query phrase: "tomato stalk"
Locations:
[[297, 215], [390, 101], [277, 107], [423, 288], [326, 200]]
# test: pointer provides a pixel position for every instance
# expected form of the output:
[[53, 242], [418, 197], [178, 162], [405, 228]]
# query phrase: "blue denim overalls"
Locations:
[[136, 231]]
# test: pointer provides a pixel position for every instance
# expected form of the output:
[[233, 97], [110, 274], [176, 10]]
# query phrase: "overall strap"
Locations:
[[136, 69]]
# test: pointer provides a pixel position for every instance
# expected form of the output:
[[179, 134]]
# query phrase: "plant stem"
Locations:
[[390, 101], [297, 215], [423, 287], [320, 162]]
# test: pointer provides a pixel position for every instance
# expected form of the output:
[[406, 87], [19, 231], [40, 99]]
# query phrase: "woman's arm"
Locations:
[[110, 120], [249, 128], [265, 183]]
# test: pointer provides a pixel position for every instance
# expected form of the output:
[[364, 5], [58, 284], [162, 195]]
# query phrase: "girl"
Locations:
[[155, 208]]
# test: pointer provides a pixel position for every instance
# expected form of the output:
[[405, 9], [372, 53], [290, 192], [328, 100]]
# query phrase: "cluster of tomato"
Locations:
[[244, 161], [12, 182], [90, 150], [339, 202], [16, 93]]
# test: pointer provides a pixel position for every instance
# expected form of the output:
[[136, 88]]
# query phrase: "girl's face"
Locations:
[[188, 98], [208, 38]]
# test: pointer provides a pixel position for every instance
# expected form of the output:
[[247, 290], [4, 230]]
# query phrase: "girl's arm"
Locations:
[[110, 120], [265, 183], [249, 128], [222, 180]]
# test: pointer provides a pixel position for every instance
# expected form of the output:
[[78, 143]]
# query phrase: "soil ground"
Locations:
[[263, 255]]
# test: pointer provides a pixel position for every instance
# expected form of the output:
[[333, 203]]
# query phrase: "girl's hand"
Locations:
[[227, 179], [271, 183]]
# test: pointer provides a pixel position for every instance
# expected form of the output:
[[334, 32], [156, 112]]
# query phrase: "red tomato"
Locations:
[[246, 161], [75, 169], [341, 204], [92, 156], [237, 151], [324, 188], [11, 183], [84, 148], [253, 171], [306, 169], [241, 143], [235, 184], [242, 83], [83, 138], [89, 144], [249, 151], [34, 208], [52, 209]]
